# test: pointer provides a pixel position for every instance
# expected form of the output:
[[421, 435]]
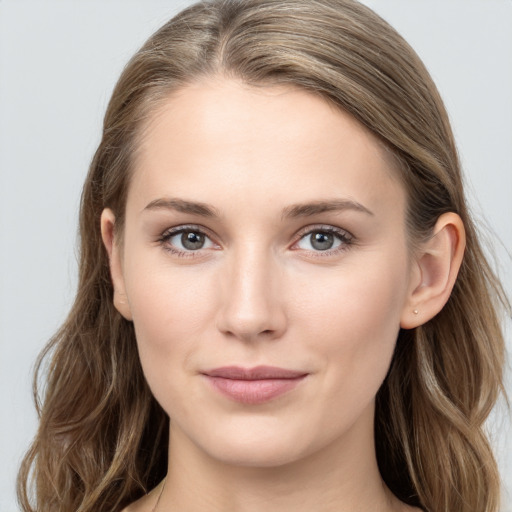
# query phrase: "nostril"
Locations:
[[251, 331]]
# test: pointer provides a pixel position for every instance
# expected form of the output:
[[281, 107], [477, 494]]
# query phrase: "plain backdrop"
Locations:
[[58, 63]]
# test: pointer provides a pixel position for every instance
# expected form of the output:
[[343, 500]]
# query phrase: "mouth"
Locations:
[[253, 385]]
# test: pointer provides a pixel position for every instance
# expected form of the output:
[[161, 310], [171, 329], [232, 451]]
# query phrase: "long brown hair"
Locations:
[[102, 438]]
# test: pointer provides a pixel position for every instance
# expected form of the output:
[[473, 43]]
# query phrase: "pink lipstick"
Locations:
[[253, 385]]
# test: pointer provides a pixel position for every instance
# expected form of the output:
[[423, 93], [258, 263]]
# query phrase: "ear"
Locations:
[[108, 220], [435, 270]]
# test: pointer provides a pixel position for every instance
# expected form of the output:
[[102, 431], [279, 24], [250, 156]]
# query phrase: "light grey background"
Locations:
[[58, 63]]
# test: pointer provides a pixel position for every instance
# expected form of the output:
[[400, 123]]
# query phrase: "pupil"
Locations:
[[322, 241], [191, 240]]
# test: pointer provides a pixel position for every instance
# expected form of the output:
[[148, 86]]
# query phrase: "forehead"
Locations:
[[226, 139]]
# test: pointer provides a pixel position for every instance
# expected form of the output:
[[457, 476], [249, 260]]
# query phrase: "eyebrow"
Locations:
[[316, 207], [183, 206], [292, 211]]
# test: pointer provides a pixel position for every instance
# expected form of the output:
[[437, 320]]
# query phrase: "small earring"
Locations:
[[415, 311]]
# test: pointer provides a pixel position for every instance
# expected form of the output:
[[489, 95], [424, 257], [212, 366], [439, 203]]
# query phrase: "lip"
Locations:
[[253, 385]]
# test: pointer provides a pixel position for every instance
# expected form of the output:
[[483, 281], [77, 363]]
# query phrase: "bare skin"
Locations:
[[270, 278]]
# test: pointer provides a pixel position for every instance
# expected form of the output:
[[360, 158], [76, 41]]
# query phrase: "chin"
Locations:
[[254, 447], [255, 455]]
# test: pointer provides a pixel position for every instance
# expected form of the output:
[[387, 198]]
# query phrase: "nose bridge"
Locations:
[[252, 305]]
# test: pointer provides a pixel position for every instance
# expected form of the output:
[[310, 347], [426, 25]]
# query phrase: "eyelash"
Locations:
[[170, 233], [345, 238]]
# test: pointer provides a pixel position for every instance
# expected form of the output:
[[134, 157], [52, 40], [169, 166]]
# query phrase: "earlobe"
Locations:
[[114, 255], [437, 267]]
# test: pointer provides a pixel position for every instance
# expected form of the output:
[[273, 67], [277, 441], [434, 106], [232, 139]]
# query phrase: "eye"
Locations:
[[325, 239], [185, 240], [189, 240]]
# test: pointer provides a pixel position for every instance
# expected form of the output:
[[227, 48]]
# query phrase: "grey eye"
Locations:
[[192, 240], [188, 240], [321, 241]]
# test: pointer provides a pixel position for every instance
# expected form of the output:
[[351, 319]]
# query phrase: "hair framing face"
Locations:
[[432, 406]]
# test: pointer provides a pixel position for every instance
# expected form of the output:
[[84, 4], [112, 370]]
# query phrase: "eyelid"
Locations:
[[187, 227], [345, 236], [168, 233], [324, 227]]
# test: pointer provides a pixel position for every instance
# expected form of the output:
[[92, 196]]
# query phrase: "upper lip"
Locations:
[[256, 373]]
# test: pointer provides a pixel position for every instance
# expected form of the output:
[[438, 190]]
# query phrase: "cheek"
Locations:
[[358, 299], [355, 317], [172, 313], [171, 309]]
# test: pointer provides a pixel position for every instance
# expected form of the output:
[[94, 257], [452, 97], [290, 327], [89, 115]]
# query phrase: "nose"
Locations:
[[252, 297]]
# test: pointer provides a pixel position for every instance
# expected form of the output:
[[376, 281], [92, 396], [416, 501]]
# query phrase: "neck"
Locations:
[[343, 476]]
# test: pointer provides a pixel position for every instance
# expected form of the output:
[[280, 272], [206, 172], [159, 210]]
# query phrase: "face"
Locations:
[[265, 266]]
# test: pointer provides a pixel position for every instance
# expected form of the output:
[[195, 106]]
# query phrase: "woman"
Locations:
[[277, 255]]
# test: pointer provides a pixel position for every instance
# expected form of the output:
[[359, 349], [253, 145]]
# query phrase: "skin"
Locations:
[[260, 293]]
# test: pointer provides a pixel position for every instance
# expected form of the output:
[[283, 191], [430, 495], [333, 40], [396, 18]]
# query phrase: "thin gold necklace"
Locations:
[[159, 496]]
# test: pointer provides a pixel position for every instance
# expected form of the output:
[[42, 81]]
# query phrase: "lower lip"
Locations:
[[253, 391]]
